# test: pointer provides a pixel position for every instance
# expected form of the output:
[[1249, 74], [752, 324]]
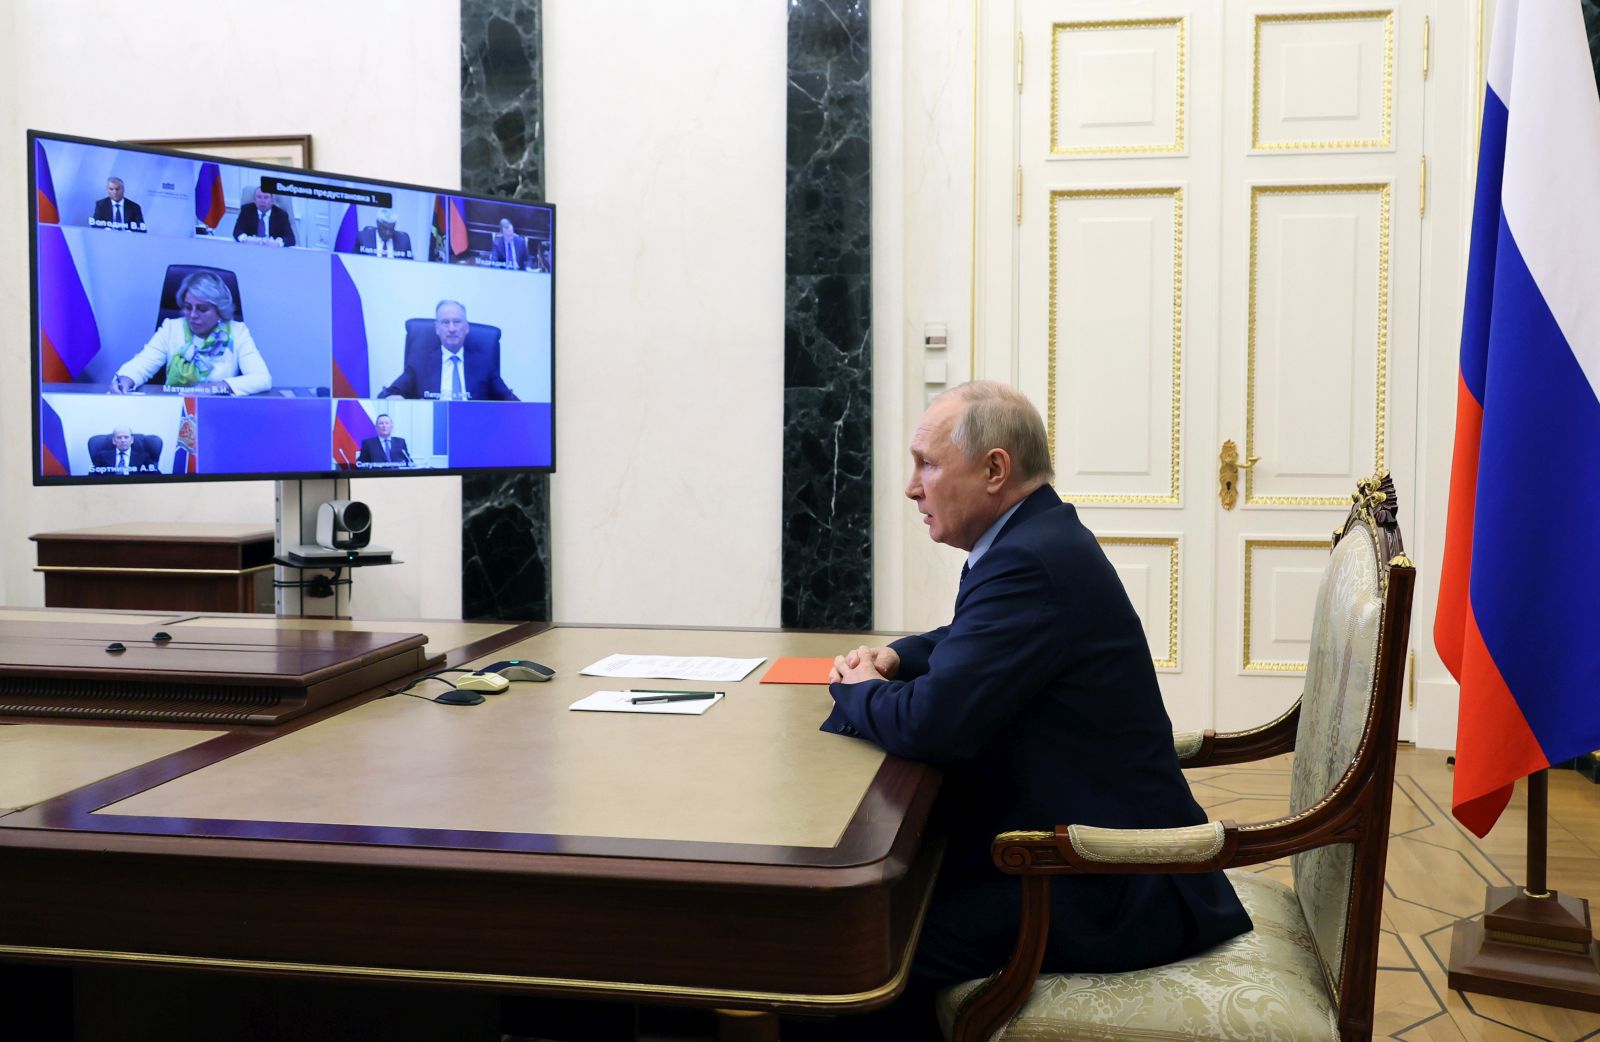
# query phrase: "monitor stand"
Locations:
[[295, 523]]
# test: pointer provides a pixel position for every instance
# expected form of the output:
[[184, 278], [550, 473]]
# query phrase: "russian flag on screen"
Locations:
[[349, 333], [69, 335], [347, 237], [1519, 616], [209, 204], [449, 228], [351, 427], [52, 442], [44, 189]]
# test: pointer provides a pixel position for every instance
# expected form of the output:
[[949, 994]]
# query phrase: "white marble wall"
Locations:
[[665, 157], [375, 86]]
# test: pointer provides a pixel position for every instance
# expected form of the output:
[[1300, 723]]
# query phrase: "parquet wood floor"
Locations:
[[1436, 874]]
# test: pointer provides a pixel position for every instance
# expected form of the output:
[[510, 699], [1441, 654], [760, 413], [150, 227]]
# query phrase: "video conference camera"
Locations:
[[344, 524], [344, 536]]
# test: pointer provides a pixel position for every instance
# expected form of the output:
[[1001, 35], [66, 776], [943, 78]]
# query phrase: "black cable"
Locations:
[[439, 676], [413, 694]]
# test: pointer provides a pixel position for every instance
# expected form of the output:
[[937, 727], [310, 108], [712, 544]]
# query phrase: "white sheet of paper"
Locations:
[[672, 667], [617, 702]]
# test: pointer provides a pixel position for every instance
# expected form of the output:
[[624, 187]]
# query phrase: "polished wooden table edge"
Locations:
[[568, 625], [253, 536], [738, 998], [96, 569], [864, 855]]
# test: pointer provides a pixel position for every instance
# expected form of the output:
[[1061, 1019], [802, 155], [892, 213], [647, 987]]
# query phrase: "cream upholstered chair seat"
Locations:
[[1265, 986]]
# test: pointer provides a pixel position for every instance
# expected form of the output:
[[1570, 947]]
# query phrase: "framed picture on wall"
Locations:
[[288, 150]]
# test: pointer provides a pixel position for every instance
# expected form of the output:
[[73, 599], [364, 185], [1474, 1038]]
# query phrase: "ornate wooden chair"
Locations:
[[1308, 968]]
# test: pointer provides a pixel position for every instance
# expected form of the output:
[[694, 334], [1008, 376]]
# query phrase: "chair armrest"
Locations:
[[1191, 844], [1193, 745], [1086, 850], [1209, 749]]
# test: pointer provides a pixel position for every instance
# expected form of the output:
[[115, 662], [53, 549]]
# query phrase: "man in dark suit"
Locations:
[[384, 448], [1039, 702], [114, 211], [510, 249], [382, 240], [450, 372], [122, 455], [264, 221]]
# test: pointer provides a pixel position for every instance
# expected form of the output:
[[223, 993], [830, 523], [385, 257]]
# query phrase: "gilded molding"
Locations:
[[1174, 479], [1382, 189], [1384, 140], [1250, 546], [1180, 85], [1171, 543]]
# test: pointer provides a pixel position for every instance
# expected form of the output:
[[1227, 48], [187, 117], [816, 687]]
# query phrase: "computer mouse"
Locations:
[[520, 669], [459, 698], [489, 683]]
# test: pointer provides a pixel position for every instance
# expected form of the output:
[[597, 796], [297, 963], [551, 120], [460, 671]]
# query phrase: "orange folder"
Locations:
[[798, 671]]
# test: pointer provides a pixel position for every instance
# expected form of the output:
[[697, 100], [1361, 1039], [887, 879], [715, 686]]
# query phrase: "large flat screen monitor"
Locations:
[[202, 319]]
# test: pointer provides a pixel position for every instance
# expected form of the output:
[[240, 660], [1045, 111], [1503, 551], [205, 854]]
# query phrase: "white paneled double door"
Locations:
[[1214, 239]]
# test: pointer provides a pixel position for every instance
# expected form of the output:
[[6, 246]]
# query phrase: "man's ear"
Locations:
[[997, 469]]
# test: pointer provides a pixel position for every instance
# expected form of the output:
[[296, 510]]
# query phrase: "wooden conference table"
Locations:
[[740, 860]]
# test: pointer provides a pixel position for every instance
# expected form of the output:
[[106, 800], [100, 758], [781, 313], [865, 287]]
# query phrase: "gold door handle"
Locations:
[[1228, 473]]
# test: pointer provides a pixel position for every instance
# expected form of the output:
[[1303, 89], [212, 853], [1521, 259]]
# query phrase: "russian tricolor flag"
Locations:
[[351, 427], [209, 204], [349, 335], [449, 228], [44, 187], [53, 460], [1519, 600]]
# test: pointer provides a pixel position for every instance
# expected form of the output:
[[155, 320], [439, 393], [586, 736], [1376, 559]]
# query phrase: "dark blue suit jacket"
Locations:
[[278, 225], [372, 451], [1040, 703], [421, 375], [516, 255], [131, 214]]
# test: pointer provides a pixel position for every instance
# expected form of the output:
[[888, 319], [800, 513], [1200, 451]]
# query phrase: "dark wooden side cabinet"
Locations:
[[158, 566]]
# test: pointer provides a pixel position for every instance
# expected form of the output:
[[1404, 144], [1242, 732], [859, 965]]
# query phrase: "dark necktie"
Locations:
[[122, 461], [386, 450], [117, 216], [965, 568]]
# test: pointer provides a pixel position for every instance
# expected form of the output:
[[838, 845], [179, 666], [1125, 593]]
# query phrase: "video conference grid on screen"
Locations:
[[195, 317]]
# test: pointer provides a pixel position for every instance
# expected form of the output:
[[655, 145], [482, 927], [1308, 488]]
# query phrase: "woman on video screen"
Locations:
[[205, 349]]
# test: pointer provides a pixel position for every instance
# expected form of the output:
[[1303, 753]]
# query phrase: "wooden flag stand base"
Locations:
[[1532, 944]]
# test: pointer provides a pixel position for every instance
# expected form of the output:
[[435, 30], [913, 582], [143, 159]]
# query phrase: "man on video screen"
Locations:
[[386, 449], [123, 455], [115, 211], [264, 222], [510, 249], [383, 240], [458, 369]]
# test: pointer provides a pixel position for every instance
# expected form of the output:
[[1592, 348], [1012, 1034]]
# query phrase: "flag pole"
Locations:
[[1531, 943], [1538, 834]]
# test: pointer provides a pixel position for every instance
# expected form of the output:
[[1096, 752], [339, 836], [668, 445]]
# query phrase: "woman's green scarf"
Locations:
[[194, 365]]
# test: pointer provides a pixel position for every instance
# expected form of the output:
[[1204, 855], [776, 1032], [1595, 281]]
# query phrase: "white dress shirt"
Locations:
[[986, 540], [445, 383]]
